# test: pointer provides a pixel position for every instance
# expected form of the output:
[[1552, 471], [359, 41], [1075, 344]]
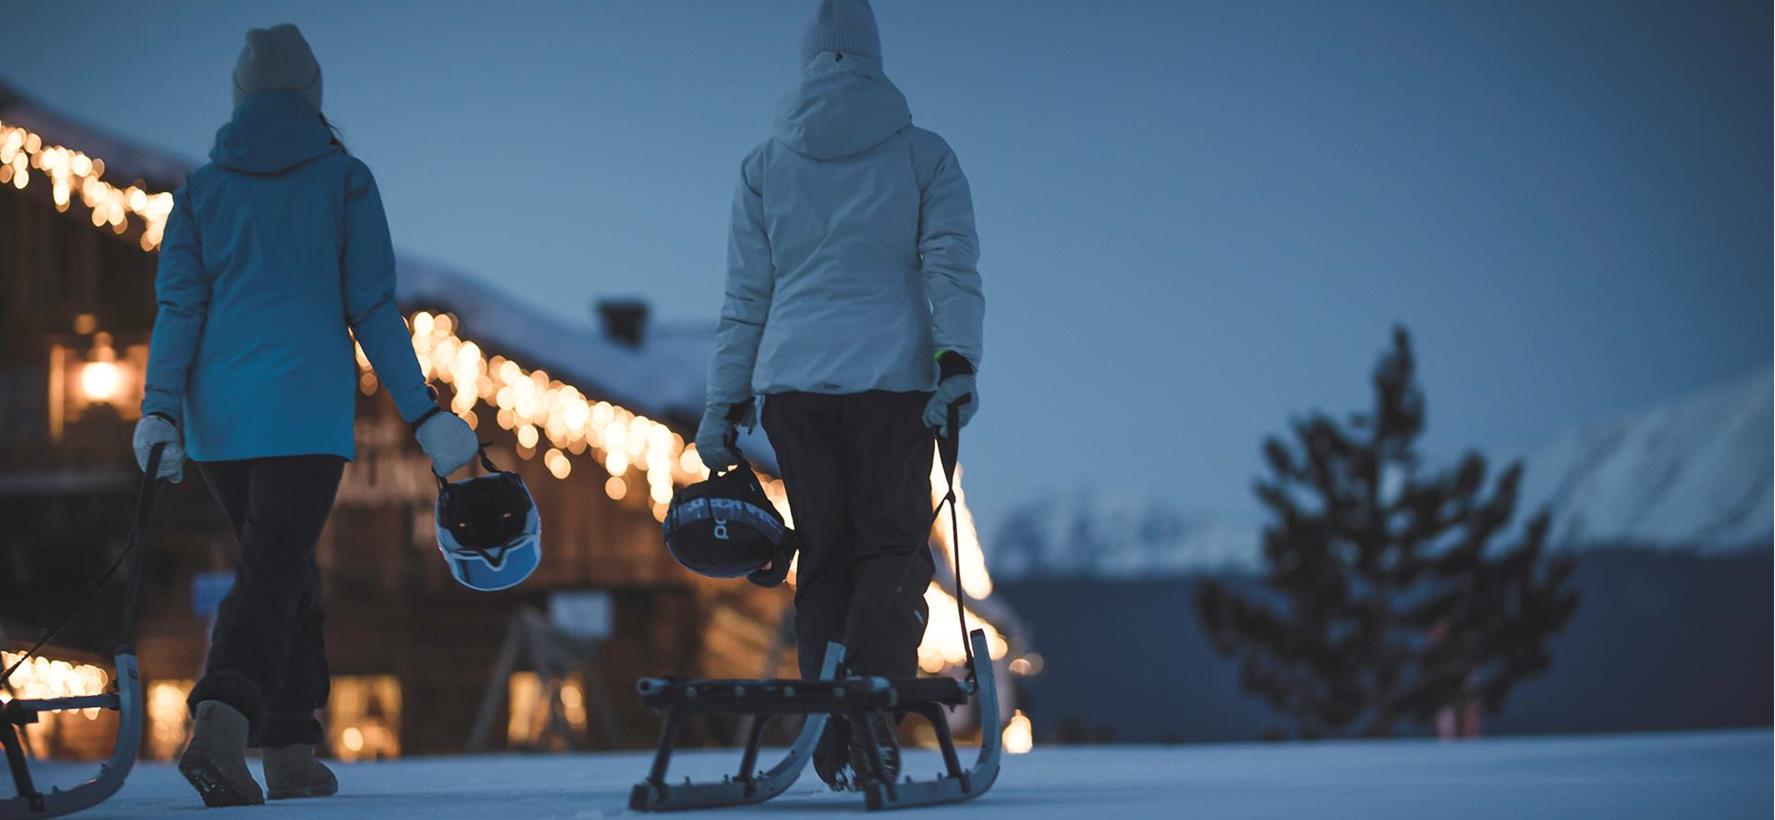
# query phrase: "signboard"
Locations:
[[583, 614]]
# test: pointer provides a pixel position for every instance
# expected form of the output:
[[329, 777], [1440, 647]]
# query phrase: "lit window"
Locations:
[[543, 713], [167, 723], [364, 717]]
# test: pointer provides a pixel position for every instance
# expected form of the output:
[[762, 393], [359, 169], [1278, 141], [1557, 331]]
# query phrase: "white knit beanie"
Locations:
[[845, 26], [277, 59]]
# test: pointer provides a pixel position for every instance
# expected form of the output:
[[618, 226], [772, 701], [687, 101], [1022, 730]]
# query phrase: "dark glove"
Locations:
[[956, 384]]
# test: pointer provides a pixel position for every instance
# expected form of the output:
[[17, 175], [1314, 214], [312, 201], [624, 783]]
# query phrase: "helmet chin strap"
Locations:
[[486, 464]]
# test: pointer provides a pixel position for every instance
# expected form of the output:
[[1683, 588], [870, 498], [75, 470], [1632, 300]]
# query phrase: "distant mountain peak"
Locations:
[[1692, 473], [1689, 474], [1116, 537]]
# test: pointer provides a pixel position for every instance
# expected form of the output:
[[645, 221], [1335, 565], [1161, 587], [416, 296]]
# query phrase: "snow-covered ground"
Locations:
[[1711, 775]]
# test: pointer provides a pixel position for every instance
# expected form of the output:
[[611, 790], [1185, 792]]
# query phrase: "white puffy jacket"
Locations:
[[852, 259]]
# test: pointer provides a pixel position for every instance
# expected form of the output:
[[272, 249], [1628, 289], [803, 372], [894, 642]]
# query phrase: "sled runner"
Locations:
[[681, 698], [126, 701], [819, 699], [831, 696]]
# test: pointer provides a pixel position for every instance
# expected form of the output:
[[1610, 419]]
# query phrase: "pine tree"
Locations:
[[1385, 599]]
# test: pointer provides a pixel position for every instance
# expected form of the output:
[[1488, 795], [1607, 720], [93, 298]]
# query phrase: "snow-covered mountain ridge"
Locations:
[[1691, 474]]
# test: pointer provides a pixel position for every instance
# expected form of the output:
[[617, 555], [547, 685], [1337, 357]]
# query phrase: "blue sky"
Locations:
[[1197, 218]]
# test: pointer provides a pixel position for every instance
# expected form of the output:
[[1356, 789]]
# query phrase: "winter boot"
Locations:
[[832, 755], [215, 761], [292, 771], [887, 742]]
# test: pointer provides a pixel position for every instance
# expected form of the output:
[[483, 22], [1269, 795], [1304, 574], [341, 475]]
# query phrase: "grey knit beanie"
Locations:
[[277, 59], [846, 26]]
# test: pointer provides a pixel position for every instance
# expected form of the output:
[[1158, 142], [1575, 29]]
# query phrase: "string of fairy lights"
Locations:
[[68, 171], [637, 454]]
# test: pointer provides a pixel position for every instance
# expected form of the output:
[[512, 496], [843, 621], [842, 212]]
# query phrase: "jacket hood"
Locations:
[[843, 105], [271, 131]]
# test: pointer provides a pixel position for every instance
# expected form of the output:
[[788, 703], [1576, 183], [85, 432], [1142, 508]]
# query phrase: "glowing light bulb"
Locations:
[[101, 381], [1019, 736]]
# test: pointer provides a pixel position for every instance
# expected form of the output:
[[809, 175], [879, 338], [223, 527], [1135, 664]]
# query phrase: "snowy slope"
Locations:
[[1692, 474], [1713, 775], [1123, 537]]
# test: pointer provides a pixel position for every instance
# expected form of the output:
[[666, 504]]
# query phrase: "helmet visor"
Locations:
[[493, 570]]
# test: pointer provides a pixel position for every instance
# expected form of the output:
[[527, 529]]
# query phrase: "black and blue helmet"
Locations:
[[725, 527]]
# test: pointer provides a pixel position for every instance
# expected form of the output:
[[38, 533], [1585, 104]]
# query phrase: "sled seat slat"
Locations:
[[791, 696], [25, 711]]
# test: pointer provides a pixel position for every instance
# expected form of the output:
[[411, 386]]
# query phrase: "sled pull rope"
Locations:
[[950, 455], [947, 450], [144, 511]]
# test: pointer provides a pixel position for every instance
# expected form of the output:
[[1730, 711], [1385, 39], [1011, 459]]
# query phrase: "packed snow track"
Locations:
[[1708, 774]]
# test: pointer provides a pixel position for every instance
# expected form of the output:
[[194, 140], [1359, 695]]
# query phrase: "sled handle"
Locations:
[[949, 446], [145, 499]]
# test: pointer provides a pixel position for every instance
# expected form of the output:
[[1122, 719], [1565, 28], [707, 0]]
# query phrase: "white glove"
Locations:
[[449, 441], [157, 429], [719, 426]]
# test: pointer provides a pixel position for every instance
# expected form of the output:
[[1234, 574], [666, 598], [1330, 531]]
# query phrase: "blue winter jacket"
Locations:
[[852, 256], [275, 254]]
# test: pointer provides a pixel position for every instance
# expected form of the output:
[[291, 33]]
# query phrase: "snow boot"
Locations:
[[887, 741], [293, 771], [215, 761], [832, 755]]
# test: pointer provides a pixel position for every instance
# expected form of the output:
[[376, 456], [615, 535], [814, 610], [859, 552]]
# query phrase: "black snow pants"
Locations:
[[857, 468], [266, 656]]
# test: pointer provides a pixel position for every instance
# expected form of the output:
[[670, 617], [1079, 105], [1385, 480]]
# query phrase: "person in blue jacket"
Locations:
[[854, 307], [275, 256]]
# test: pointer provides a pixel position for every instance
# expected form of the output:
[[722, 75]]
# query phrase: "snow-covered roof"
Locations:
[[125, 159], [661, 377]]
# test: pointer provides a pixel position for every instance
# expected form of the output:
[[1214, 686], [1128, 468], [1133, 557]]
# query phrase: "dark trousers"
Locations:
[[857, 468], [267, 658]]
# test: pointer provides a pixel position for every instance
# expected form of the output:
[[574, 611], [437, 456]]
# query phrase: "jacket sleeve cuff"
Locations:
[[417, 406], [172, 410], [951, 363]]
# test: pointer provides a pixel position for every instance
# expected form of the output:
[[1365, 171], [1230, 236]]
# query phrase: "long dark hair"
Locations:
[[334, 130]]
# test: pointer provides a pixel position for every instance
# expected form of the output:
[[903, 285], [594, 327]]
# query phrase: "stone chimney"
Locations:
[[624, 320]]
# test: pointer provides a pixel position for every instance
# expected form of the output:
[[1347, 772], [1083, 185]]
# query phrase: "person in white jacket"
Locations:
[[854, 309]]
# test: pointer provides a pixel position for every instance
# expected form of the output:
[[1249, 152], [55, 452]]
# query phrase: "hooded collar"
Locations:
[[271, 131], [843, 105]]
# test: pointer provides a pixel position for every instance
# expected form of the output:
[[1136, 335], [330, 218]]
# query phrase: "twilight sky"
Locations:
[[1196, 218]]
